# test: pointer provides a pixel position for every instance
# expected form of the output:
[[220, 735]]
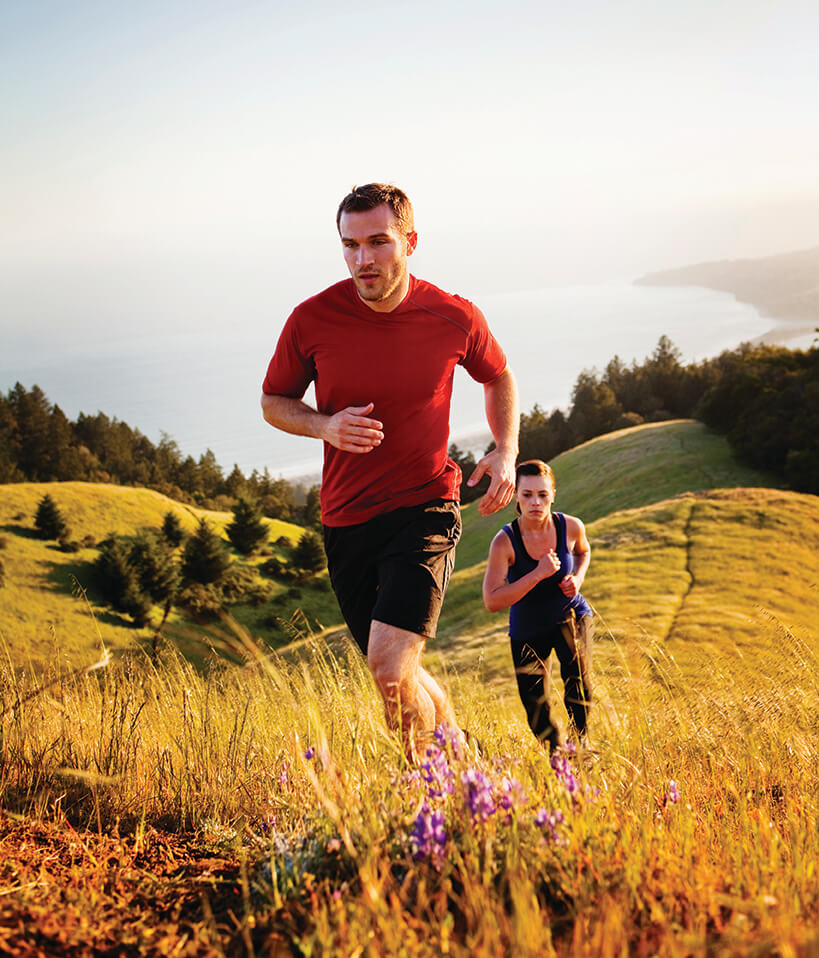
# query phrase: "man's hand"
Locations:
[[351, 431], [501, 467]]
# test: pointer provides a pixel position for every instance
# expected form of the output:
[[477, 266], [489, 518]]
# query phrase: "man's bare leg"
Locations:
[[444, 713], [412, 698]]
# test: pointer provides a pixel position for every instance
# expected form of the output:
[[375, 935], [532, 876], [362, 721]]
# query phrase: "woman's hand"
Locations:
[[569, 586], [548, 565]]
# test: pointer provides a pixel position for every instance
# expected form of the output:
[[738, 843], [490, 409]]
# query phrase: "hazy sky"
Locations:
[[174, 165]]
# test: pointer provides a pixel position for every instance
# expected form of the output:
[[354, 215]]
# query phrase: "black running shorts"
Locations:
[[394, 568]]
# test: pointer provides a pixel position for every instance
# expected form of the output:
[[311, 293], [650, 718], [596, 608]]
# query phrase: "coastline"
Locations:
[[782, 288]]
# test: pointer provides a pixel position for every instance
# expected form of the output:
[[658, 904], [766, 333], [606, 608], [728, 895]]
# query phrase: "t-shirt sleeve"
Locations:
[[484, 359], [290, 372]]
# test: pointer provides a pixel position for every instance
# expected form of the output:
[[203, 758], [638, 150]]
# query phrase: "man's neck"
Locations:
[[391, 302]]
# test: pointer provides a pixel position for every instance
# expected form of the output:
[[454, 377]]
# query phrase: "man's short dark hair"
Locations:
[[368, 197]]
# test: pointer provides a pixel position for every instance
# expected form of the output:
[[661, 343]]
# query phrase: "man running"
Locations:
[[381, 348]]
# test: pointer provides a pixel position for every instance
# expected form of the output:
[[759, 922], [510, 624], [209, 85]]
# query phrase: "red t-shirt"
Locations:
[[403, 362]]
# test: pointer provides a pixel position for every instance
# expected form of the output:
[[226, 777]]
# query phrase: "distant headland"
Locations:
[[784, 287]]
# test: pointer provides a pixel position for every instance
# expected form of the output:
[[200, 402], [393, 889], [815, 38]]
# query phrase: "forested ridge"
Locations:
[[764, 399]]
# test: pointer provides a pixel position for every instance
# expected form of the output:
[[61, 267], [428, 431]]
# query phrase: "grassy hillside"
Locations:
[[694, 572], [266, 809], [687, 547], [43, 611], [622, 470]]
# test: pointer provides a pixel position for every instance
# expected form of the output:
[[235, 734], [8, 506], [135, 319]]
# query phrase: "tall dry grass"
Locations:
[[692, 830]]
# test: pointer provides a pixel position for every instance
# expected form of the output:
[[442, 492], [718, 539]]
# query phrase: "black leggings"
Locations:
[[572, 641]]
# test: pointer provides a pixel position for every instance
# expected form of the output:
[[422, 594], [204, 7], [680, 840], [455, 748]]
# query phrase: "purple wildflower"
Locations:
[[283, 776], [478, 794], [551, 821], [512, 796], [562, 768], [447, 737], [268, 823], [428, 836], [436, 772], [310, 753], [672, 796]]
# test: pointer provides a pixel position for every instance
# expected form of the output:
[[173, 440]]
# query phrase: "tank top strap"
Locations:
[[513, 531], [560, 529]]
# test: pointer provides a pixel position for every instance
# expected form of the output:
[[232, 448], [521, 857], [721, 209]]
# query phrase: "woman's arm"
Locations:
[[499, 594], [581, 552]]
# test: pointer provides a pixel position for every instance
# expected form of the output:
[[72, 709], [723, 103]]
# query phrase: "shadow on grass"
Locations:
[[25, 532], [77, 579]]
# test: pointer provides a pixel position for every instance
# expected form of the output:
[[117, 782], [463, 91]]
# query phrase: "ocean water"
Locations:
[[203, 391]]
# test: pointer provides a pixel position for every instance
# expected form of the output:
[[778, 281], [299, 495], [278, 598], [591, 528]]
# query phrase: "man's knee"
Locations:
[[393, 657]]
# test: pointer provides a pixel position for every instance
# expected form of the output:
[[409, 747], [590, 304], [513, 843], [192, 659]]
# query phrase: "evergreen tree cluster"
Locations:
[[764, 399], [766, 402], [167, 568], [38, 443]]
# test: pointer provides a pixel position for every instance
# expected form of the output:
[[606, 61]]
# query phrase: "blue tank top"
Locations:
[[544, 606]]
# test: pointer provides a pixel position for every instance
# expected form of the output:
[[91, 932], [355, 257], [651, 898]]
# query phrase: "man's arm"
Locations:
[[503, 417], [349, 429]]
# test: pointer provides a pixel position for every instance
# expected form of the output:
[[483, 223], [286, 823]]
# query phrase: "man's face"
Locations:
[[376, 253]]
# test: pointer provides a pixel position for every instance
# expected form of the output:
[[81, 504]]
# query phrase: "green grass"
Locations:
[[41, 612], [706, 672], [320, 841], [698, 571], [625, 469], [45, 608]]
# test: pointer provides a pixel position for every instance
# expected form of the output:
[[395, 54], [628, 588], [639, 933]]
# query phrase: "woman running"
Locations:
[[536, 567]]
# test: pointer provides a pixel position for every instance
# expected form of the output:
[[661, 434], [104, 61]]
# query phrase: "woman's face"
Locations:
[[534, 496]]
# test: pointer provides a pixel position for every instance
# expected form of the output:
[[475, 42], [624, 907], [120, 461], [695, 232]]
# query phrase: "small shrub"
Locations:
[[242, 585], [202, 601], [68, 545], [118, 581], [49, 520], [3, 542], [309, 553]]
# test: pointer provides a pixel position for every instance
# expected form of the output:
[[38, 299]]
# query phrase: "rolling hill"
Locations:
[[689, 549], [45, 611]]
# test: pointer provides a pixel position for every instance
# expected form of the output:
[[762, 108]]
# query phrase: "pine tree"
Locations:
[[151, 558], [247, 530], [119, 583], [204, 559], [312, 508], [172, 531], [309, 553], [49, 520]]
